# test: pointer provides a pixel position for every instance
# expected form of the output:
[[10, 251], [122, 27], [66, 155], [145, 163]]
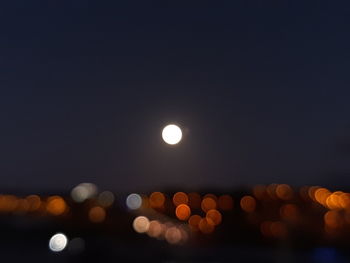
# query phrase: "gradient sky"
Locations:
[[261, 89]]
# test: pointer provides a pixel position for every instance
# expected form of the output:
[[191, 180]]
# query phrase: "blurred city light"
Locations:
[[133, 201], [58, 242], [141, 224]]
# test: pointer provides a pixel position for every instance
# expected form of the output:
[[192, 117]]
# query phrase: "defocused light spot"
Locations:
[[225, 202], [345, 200], [193, 221], [205, 227], [333, 201], [83, 191], [289, 212], [321, 195], [106, 198], [312, 191], [248, 203], [284, 192], [157, 200], [208, 203], [22, 206], [172, 134], [58, 242], [134, 201], [8, 203], [97, 214], [34, 202], [141, 224], [332, 219], [173, 235], [155, 229], [259, 191], [304, 193], [271, 191], [183, 212], [180, 198], [194, 200], [56, 205], [212, 196], [213, 217]]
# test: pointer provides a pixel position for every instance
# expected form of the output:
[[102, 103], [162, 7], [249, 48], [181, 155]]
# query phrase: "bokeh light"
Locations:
[[248, 203], [214, 217], [180, 198], [157, 200], [173, 235], [83, 191], [183, 212], [106, 198], [58, 242], [133, 201], [205, 227], [56, 205], [97, 214], [208, 203], [141, 224]]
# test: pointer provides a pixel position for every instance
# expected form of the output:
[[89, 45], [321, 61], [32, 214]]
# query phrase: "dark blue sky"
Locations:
[[261, 89]]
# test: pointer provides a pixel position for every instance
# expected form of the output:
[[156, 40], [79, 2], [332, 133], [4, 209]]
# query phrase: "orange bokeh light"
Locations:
[[289, 212], [248, 203], [183, 212], [97, 214], [205, 227], [34, 202], [259, 191], [180, 198], [194, 220], [208, 203], [213, 217], [332, 219], [56, 205], [157, 200], [284, 192], [321, 195]]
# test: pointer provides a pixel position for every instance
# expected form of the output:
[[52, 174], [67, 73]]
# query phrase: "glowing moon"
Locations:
[[172, 134]]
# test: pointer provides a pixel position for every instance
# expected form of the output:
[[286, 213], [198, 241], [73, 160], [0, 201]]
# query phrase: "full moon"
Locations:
[[172, 134]]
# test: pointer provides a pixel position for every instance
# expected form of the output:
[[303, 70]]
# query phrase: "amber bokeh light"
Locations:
[[183, 212], [248, 203], [157, 200], [180, 198]]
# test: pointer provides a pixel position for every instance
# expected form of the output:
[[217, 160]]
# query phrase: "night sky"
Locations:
[[261, 89]]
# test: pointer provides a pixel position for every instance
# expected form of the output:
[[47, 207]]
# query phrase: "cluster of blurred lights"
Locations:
[[194, 211], [83, 191], [274, 209], [172, 233]]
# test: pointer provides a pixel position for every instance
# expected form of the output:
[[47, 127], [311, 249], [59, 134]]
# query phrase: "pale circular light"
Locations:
[[133, 201], [141, 224], [172, 134], [58, 242]]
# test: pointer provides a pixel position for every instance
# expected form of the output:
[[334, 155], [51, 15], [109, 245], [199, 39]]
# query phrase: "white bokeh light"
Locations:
[[58, 242], [133, 201], [172, 134]]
